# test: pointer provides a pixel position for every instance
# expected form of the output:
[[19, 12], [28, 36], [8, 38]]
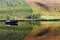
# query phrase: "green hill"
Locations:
[[14, 9]]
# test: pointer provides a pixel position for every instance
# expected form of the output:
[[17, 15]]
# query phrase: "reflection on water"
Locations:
[[34, 26], [42, 27], [30, 27], [37, 26], [45, 24]]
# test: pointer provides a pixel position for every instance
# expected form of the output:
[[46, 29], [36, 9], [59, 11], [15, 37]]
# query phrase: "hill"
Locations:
[[14, 9]]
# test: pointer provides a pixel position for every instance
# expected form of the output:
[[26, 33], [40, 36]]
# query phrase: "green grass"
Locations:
[[13, 8]]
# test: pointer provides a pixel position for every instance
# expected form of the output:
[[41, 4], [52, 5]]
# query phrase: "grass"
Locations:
[[13, 8], [19, 13]]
